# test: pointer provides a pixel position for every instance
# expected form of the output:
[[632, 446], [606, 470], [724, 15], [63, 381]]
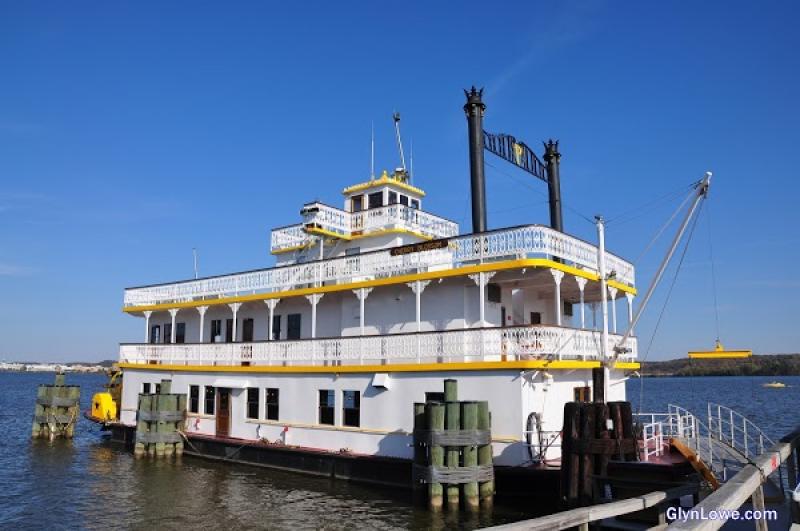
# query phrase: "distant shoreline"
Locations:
[[761, 365]]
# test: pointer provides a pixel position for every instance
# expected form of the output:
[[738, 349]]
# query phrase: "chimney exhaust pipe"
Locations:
[[474, 109]]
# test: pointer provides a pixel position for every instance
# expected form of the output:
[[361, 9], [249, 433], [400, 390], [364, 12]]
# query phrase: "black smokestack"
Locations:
[[553, 160], [474, 109]]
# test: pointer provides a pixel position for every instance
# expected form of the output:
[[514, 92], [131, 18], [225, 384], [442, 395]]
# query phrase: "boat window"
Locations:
[[210, 396], [216, 331], [155, 334], [293, 321], [276, 327], [167, 332], [434, 397], [352, 250], [252, 402], [247, 330], [403, 199], [146, 388], [180, 333], [536, 318], [392, 197], [194, 399], [229, 331], [568, 309], [351, 408], [376, 200], [415, 203], [582, 394], [273, 397], [493, 292], [357, 203], [327, 403]]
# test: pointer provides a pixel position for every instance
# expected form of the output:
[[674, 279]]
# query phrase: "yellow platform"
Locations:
[[719, 352]]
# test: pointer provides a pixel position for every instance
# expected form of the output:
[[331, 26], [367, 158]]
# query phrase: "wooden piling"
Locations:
[[420, 451], [56, 410], [570, 461], [469, 421], [141, 425], [587, 434], [435, 416], [485, 488], [453, 423]]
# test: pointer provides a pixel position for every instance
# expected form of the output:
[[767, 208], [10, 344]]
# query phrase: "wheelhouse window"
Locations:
[[415, 203], [351, 408], [293, 322], [357, 203], [180, 333], [327, 404], [392, 197], [252, 402], [194, 399], [210, 399], [273, 397], [403, 199], [376, 200], [216, 331]]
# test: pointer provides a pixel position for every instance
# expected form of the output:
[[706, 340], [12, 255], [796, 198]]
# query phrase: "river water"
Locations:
[[88, 483]]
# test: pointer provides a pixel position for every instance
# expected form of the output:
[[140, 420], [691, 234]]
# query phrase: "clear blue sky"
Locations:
[[132, 132]]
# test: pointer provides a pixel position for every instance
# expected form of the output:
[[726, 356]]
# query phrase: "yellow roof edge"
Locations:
[[382, 181]]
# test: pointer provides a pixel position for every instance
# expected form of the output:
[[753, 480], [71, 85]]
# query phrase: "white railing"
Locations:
[[520, 242], [737, 431], [478, 344], [327, 217], [288, 237]]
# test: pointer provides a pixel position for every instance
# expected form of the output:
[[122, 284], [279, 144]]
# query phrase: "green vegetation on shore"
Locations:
[[763, 365]]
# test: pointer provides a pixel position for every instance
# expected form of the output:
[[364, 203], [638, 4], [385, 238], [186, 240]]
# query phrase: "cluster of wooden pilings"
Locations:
[[57, 409], [159, 419], [453, 452], [594, 432]]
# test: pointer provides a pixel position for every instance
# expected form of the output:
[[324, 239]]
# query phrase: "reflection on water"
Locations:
[[88, 483]]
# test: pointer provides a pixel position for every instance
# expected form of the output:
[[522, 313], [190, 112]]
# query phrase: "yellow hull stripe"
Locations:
[[404, 367], [399, 279], [721, 355]]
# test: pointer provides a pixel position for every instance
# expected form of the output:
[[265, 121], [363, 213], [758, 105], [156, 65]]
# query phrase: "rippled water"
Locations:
[[92, 484]]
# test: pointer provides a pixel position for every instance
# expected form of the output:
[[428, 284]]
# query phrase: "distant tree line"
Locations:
[[764, 365]]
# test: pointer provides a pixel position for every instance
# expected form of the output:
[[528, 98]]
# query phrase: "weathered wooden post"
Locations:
[[486, 488], [469, 423], [587, 433], [420, 452], [141, 425], [56, 410], [435, 414], [452, 423]]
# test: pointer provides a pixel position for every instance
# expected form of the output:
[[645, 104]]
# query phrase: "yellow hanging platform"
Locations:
[[719, 352]]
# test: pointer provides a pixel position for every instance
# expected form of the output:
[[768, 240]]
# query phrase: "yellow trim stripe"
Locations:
[[721, 355], [383, 181], [399, 279], [331, 234], [401, 367]]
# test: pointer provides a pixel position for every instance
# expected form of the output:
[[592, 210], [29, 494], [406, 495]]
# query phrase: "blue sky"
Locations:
[[132, 132]]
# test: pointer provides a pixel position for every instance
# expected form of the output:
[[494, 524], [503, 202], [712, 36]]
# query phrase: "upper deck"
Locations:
[[499, 249]]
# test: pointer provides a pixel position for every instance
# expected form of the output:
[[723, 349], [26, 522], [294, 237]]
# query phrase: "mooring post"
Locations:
[[758, 505], [141, 425], [587, 433], [179, 424], [435, 423], [485, 488], [469, 422], [453, 423], [419, 451]]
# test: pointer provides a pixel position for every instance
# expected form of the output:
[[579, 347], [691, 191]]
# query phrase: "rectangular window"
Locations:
[[352, 251], [568, 309], [167, 332], [327, 403], [582, 394], [493, 292], [434, 397], [276, 327], [403, 199], [252, 402], [146, 388], [216, 331], [536, 318], [351, 408], [247, 330], [293, 321], [415, 203], [357, 203], [155, 334], [229, 331], [180, 333], [158, 388], [194, 399], [210, 399], [376, 200], [273, 396], [392, 198]]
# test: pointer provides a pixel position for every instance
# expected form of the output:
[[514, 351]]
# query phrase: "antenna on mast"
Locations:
[[396, 117], [372, 154], [411, 168], [194, 255]]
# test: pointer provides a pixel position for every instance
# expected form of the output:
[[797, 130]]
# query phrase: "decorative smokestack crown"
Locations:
[[551, 151], [474, 101]]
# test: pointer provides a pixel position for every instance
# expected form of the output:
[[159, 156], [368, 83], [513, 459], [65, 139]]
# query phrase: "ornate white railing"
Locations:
[[477, 344], [288, 237], [327, 217], [520, 242]]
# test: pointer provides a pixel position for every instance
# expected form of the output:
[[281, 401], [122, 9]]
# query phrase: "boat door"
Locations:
[[223, 411]]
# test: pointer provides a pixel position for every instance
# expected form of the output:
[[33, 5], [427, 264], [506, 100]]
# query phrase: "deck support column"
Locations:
[[629, 296], [581, 286], [271, 304], [314, 299], [557, 276], [147, 314], [613, 292], [481, 279], [418, 287], [361, 294], [172, 312], [202, 310], [235, 309]]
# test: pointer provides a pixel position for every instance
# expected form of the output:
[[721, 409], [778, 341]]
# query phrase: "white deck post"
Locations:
[[314, 299], [557, 276], [202, 310], [147, 314], [601, 269], [172, 312], [581, 286], [418, 287], [235, 309], [613, 292], [629, 296], [480, 279], [271, 304], [361, 294]]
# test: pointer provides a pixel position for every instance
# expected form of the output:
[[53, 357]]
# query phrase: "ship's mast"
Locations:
[[396, 117]]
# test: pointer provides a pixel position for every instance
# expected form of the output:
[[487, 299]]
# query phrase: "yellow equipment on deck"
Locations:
[[719, 352], [104, 409]]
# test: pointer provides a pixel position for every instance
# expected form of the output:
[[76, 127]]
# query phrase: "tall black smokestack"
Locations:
[[553, 159], [474, 110]]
